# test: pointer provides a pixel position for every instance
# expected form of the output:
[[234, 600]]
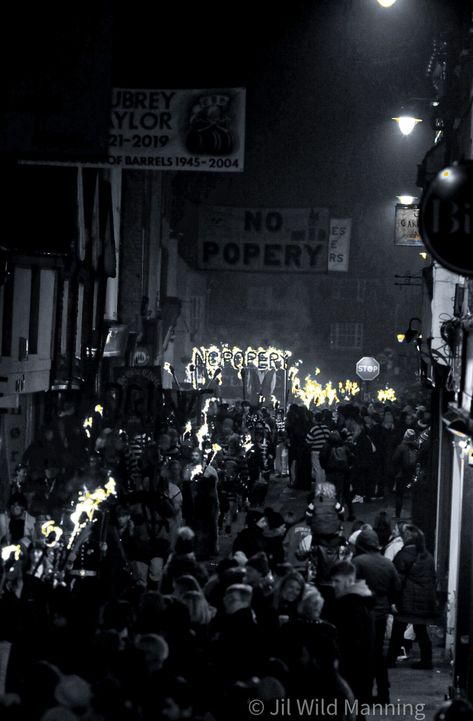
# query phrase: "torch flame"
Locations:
[[49, 527], [87, 504], [7, 551]]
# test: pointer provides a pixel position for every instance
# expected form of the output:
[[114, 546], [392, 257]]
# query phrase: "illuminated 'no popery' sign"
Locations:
[[214, 356]]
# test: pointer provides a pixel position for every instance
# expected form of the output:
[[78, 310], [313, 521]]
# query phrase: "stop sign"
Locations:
[[367, 368]]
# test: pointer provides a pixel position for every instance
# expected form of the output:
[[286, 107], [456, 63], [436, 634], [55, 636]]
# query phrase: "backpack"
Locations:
[[323, 558], [325, 520], [338, 458]]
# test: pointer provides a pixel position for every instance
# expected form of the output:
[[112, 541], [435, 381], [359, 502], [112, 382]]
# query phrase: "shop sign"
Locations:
[[339, 244], [406, 225]]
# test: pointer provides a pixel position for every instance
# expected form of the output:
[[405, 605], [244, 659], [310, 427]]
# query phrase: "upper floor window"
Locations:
[[346, 335]]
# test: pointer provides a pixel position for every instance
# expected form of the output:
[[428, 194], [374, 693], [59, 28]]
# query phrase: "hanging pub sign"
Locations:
[[445, 220], [406, 225]]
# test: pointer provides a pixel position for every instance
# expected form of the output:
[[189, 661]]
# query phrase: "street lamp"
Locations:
[[407, 123], [386, 3], [406, 199], [411, 333]]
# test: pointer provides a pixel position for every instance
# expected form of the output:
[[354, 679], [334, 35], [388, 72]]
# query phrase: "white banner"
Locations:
[[273, 240], [339, 244], [198, 130], [178, 130]]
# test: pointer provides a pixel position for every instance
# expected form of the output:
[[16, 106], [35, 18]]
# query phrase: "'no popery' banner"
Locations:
[[263, 239]]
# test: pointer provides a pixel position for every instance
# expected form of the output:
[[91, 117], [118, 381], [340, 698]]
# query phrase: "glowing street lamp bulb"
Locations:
[[423, 255], [400, 337], [406, 199], [386, 3], [407, 123]]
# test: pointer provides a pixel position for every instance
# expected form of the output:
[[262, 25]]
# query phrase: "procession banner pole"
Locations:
[[285, 388]]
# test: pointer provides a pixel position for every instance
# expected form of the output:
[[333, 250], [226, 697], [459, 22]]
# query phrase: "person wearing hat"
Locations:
[[383, 580], [250, 539], [405, 463]]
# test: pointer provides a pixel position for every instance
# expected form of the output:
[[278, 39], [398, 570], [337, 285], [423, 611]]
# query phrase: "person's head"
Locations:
[[164, 442], [367, 541], [117, 614], [388, 419], [185, 540], [175, 471], [94, 461], [48, 434], [342, 576], [196, 456], [291, 587], [21, 473], [457, 709], [176, 701], [173, 437], [227, 426], [409, 418], [17, 505], [154, 650], [413, 536], [311, 604], [52, 470], [237, 597], [326, 490], [259, 429], [122, 515], [74, 693], [199, 610], [225, 564], [257, 568], [410, 436], [184, 584]]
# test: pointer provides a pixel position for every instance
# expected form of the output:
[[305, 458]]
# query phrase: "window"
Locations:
[[346, 335]]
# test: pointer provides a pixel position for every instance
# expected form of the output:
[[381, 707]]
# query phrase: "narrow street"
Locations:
[[424, 690]]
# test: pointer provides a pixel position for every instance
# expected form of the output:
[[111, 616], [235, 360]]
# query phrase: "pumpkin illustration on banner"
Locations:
[[209, 122]]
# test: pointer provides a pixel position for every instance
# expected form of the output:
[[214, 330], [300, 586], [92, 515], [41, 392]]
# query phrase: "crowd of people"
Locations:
[[127, 609]]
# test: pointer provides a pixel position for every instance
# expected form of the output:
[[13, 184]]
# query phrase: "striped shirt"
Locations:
[[317, 436]]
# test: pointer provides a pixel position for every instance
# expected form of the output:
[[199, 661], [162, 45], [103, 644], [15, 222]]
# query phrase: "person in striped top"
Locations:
[[316, 438]]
